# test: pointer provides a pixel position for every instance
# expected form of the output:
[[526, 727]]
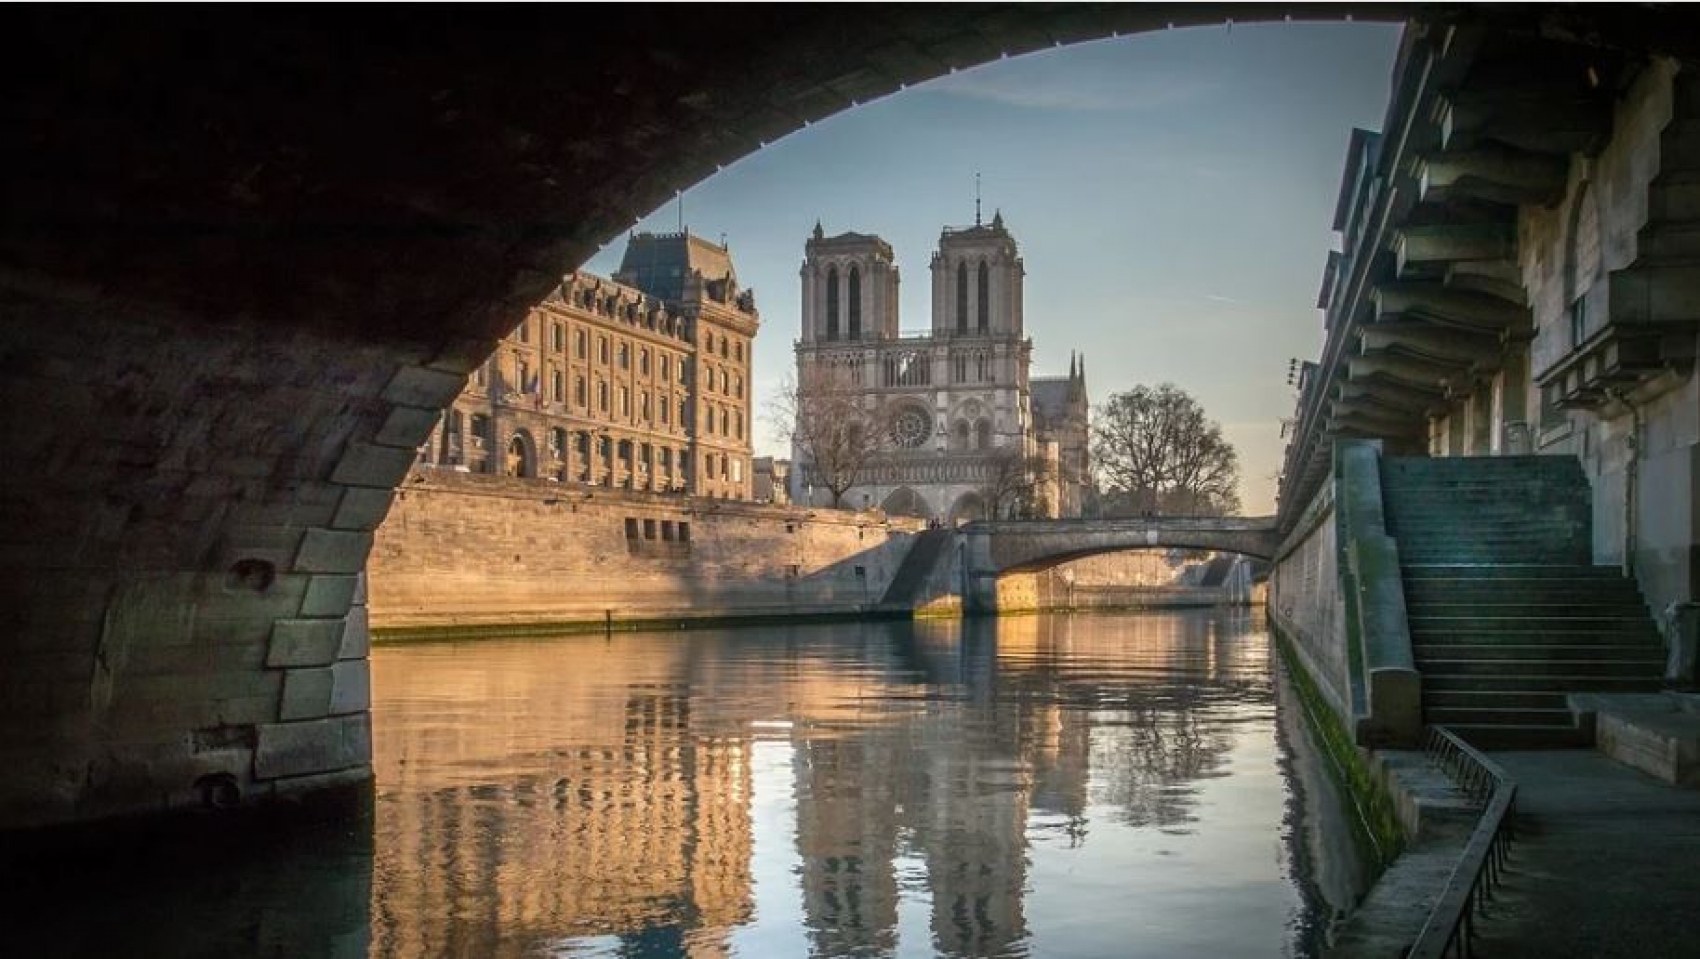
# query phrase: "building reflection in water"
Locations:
[[594, 796]]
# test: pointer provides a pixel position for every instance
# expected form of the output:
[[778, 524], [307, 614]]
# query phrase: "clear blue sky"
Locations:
[[1172, 194]]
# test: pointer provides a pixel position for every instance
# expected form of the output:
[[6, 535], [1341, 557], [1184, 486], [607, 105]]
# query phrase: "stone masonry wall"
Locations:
[[1306, 604], [1569, 251], [475, 551]]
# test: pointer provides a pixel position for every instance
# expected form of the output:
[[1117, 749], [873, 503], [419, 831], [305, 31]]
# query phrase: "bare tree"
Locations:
[[1158, 452], [1015, 484], [833, 437]]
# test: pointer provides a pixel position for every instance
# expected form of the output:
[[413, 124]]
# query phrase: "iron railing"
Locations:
[[1451, 923]]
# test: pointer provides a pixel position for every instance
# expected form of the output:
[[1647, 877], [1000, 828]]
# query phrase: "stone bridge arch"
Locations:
[[247, 257], [995, 548]]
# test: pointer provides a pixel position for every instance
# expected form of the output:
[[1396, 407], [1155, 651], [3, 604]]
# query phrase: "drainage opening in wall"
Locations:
[[218, 791], [253, 574]]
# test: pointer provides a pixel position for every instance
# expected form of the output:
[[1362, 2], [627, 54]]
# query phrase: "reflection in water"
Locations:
[[1058, 786]]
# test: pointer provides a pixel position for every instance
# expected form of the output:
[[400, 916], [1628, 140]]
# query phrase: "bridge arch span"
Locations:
[[996, 548]]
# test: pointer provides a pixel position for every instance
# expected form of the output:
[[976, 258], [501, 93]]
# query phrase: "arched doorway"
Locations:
[[968, 508], [522, 456], [906, 502]]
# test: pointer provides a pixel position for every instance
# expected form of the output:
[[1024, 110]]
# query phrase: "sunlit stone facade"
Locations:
[[640, 382]]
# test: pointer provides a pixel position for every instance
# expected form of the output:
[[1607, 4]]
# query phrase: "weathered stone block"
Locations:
[[370, 465], [356, 635], [363, 509], [306, 694], [316, 746], [351, 687], [407, 427], [304, 642], [427, 388], [461, 357], [329, 595], [333, 551]]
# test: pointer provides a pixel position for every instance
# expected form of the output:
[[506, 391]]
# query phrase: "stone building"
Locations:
[[957, 398], [641, 382], [1062, 427]]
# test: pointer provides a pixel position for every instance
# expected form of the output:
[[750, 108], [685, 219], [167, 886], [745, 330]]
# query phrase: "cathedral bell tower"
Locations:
[[977, 277], [849, 289]]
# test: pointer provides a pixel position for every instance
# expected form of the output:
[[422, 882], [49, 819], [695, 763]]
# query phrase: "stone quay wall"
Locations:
[[463, 552]]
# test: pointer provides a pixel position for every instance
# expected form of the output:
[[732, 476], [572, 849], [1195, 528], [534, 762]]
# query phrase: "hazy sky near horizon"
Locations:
[[1172, 195]]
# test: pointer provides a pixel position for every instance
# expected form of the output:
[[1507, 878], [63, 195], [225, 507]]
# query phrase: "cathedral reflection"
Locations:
[[603, 791]]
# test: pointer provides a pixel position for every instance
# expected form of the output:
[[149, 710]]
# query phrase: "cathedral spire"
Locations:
[[976, 198]]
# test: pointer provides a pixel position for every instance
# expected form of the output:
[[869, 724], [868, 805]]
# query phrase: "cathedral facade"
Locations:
[[961, 437]]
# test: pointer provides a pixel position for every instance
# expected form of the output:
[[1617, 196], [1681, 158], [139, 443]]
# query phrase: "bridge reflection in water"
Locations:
[[1060, 786]]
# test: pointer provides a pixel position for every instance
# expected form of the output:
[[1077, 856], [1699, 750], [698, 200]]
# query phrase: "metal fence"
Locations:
[[1451, 923]]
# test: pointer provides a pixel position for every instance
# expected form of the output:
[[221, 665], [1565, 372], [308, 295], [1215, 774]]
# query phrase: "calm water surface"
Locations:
[[1050, 786], [1100, 786]]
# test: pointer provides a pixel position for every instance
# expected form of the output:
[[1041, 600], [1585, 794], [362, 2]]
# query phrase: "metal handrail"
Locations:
[[1451, 923]]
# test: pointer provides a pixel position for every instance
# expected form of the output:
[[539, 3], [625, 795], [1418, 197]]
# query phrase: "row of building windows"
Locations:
[[718, 380], [962, 364], [608, 353], [729, 349], [636, 460], [666, 530]]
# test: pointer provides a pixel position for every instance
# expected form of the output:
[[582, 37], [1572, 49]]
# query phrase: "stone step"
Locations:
[[1520, 736], [1635, 668], [1483, 557], [1497, 715], [1403, 463], [1520, 656], [1634, 625], [1552, 681], [1491, 588], [1446, 534], [1665, 744], [1494, 495], [1496, 521], [1513, 571], [1436, 553], [1492, 698], [1428, 608]]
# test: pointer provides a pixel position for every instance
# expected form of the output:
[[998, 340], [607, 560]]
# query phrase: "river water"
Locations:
[[1069, 786]]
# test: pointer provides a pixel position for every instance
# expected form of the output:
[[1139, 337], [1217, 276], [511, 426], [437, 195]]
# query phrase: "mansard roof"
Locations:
[[661, 264]]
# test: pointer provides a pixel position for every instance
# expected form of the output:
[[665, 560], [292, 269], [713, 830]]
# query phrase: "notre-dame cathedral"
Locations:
[[957, 402]]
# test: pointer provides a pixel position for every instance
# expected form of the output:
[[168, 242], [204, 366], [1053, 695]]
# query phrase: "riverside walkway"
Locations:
[[1606, 863]]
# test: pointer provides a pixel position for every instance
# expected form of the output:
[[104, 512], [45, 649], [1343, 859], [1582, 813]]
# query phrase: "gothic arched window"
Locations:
[[985, 292], [961, 297], [832, 303], [855, 303]]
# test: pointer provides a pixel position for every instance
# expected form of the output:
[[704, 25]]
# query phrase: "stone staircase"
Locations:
[[1507, 613], [911, 577]]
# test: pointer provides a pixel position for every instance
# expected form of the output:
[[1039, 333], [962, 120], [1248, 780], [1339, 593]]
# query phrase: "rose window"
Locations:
[[911, 428]]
